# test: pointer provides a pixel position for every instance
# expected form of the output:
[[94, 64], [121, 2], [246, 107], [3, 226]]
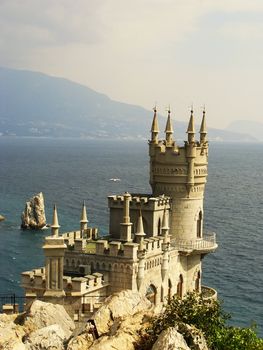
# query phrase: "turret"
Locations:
[[125, 233], [83, 219], [165, 227], [169, 130], [55, 226], [155, 127], [203, 130]]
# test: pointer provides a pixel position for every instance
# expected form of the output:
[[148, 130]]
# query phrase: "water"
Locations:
[[68, 171]]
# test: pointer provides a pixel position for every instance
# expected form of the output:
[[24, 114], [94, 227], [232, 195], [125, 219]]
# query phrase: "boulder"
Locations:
[[81, 342], [170, 338], [41, 314], [194, 337], [118, 306], [2, 218], [11, 334], [48, 338], [33, 217]]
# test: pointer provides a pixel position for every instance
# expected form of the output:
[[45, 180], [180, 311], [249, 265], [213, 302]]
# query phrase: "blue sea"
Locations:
[[69, 171]]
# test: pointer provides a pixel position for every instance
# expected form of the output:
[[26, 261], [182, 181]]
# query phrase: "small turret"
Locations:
[[155, 127], [165, 227], [169, 130], [83, 219], [139, 235], [126, 225], [191, 128], [55, 225], [203, 130]]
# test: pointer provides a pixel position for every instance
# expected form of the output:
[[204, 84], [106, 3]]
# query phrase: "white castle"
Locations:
[[155, 243]]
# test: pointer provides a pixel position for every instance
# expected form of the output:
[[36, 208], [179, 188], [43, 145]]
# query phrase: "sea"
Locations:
[[69, 171]]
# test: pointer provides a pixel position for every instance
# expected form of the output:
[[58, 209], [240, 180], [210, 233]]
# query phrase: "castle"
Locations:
[[155, 243]]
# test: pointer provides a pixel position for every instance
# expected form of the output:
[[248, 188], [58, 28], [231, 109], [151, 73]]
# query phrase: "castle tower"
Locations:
[[180, 172], [54, 249]]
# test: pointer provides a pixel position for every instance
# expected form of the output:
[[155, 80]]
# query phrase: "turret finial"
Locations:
[[55, 225], [139, 235], [155, 127], [169, 128], [203, 129]]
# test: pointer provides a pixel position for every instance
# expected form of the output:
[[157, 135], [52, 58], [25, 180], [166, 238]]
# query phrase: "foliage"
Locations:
[[208, 316]]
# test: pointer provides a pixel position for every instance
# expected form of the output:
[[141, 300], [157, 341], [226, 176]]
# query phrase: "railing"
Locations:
[[207, 242]]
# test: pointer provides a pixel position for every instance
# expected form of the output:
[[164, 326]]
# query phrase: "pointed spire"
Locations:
[[165, 225], [203, 129], [155, 127], [139, 235], [191, 128], [55, 225], [83, 220], [169, 128]]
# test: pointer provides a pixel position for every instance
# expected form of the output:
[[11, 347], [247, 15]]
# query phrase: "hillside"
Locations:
[[35, 104]]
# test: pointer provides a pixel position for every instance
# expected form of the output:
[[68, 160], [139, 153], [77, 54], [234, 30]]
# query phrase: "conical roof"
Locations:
[[155, 126], [191, 127], [169, 128], [55, 223], [140, 229], [84, 218], [203, 129]]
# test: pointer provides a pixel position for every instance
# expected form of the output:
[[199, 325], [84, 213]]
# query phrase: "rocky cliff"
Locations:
[[121, 324], [33, 217]]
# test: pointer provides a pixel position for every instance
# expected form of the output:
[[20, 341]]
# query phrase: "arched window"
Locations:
[[151, 293], [169, 296], [197, 282], [199, 225], [159, 227], [180, 286]]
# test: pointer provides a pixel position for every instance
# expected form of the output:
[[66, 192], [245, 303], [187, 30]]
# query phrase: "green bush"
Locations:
[[208, 316]]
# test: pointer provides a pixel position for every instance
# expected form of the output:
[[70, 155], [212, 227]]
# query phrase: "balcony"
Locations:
[[208, 293], [203, 245]]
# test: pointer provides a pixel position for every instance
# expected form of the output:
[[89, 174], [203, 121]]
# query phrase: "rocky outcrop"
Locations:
[[41, 315], [170, 339], [2, 218], [33, 217], [121, 323], [50, 338]]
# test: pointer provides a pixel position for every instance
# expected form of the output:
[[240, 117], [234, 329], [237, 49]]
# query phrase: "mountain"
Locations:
[[35, 104], [247, 126]]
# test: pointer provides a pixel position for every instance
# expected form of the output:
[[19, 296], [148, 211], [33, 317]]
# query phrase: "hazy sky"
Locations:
[[175, 52]]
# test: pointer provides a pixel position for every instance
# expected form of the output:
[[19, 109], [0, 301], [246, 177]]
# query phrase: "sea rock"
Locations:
[[170, 338], [41, 314], [48, 338], [2, 218], [33, 217], [81, 342], [118, 306]]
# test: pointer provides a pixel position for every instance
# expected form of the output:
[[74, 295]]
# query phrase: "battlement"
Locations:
[[36, 279], [140, 201]]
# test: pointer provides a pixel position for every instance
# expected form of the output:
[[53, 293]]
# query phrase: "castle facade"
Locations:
[[156, 241]]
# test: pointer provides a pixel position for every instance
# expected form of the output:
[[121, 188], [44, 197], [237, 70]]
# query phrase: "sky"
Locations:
[[146, 52]]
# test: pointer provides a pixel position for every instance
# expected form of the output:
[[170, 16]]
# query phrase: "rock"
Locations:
[[170, 338], [33, 217], [11, 334], [81, 342], [118, 306], [2, 218], [194, 337], [48, 338], [41, 314]]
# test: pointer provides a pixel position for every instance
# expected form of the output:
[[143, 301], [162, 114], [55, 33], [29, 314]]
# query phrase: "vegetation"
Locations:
[[208, 316]]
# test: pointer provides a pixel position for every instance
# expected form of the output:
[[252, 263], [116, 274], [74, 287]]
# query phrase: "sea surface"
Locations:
[[69, 171]]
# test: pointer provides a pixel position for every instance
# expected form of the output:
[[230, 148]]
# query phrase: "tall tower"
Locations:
[[54, 249], [181, 172]]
